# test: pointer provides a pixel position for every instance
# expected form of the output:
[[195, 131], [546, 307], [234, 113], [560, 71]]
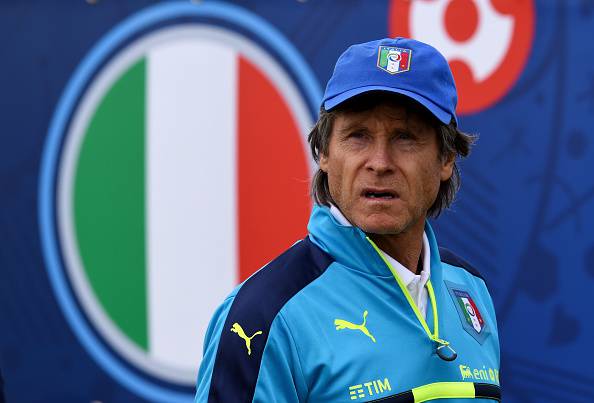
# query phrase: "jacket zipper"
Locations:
[[444, 349]]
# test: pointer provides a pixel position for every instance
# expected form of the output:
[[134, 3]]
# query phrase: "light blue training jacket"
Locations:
[[330, 321]]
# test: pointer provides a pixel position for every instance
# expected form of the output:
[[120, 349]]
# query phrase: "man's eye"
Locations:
[[356, 135], [404, 136]]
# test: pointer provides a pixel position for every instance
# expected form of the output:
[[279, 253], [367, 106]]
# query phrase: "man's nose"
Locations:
[[380, 159]]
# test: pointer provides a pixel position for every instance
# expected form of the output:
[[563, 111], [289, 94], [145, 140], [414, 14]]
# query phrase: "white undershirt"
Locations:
[[415, 283]]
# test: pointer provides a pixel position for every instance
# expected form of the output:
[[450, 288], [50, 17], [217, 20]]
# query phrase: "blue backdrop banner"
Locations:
[[140, 140]]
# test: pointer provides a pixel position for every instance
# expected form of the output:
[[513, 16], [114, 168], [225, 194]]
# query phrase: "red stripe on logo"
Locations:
[[273, 174], [403, 61]]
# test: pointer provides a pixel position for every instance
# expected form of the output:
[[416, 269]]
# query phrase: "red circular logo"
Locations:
[[486, 42]]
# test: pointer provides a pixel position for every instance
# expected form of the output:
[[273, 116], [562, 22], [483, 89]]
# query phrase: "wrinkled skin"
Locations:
[[391, 153]]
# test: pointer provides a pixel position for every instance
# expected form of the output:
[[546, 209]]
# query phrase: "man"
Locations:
[[367, 307]]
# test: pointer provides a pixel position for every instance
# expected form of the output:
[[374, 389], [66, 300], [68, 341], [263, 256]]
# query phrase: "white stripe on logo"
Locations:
[[472, 314], [191, 200]]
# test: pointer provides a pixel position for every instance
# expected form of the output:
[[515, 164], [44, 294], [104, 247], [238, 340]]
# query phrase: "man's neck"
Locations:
[[405, 247]]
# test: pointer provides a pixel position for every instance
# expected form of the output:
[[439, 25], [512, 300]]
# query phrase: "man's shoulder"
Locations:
[[253, 308], [262, 296], [451, 258], [286, 274]]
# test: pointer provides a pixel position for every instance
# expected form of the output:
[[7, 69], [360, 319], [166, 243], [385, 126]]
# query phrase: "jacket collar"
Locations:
[[349, 246]]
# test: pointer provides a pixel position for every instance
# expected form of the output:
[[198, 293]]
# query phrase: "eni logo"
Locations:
[[343, 324], [479, 374], [248, 340]]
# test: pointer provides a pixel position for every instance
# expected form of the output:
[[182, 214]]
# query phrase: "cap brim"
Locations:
[[444, 116]]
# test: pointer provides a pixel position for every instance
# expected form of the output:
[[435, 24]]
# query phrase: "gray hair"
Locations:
[[451, 141]]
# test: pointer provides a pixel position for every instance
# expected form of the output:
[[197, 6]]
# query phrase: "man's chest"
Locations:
[[368, 343]]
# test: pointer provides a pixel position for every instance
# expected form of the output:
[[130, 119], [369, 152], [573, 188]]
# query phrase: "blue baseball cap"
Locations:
[[401, 65]]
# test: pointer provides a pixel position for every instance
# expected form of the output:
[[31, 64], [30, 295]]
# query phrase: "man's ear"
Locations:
[[447, 167], [324, 162]]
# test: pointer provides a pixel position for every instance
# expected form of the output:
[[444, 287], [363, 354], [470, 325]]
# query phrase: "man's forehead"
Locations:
[[388, 112], [394, 105]]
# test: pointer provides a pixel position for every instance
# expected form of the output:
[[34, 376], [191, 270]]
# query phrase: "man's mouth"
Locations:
[[379, 194]]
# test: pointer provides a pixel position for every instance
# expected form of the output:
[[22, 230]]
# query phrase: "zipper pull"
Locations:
[[444, 350]]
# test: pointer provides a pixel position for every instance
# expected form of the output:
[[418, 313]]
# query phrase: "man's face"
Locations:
[[384, 168]]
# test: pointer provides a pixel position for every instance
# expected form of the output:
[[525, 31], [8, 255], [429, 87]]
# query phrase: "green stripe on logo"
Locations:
[[466, 315], [109, 204]]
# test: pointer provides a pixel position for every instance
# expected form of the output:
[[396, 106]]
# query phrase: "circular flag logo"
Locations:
[[175, 166], [486, 42]]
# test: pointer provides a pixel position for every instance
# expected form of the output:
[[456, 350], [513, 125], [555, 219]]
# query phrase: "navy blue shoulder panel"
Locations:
[[256, 304], [449, 257]]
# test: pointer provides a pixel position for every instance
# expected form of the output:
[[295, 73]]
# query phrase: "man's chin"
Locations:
[[381, 227], [382, 231]]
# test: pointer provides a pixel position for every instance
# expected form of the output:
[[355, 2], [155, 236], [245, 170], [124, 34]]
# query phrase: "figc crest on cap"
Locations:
[[393, 60]]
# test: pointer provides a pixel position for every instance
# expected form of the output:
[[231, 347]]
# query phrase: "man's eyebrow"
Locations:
[[353, 127]]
